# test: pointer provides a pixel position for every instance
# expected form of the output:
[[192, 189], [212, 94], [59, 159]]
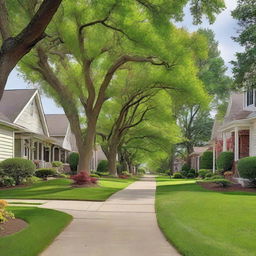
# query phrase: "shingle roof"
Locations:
[[57, 124], [236, 108], [13, 101]]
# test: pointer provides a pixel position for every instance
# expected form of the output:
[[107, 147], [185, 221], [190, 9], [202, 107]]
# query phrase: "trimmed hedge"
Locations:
[[247, 167], [45, 172], [203, 173], [225, 161], [206, 160], [177, 175], [73, 161], [18, 169], [102, 166]]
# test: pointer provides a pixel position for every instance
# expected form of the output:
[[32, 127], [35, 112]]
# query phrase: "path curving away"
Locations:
[[124, 225]]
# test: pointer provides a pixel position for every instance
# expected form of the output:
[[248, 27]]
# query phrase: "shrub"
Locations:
[[206, 160], [141, 171], [225, 161], [216, 177], [222, 182], [95, 175], [190, 175], [185, 168], [57, 164], [203, 172], [31, 180], [126, 173], [193, 171], [247, 168], [102, 174], [7, 182], [17, 168], [83, 178], [44, 173], [208, 175], [4, 214], [177, 175], [102, 166], [73, 160]]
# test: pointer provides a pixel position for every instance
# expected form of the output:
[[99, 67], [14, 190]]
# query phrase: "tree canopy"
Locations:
[[89, 43], [244, 67]]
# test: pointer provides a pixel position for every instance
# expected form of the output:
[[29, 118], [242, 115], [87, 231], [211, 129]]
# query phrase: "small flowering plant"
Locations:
[[4, 214], [83, 178]]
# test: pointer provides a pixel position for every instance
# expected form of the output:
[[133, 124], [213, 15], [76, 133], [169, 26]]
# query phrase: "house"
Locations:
[[196, 155], [25, 131], [237, 131]]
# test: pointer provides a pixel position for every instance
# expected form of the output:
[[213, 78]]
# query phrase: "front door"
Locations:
[[244, 143]]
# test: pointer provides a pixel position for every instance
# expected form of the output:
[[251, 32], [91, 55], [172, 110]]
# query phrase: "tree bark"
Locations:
[[14, 48], [112, 160], [86, 148]]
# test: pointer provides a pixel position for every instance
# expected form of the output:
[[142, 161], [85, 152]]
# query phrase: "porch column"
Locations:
[[214, 157], [50, 154], [42, 152], [65, 156], [31, 150], [236, 144], [37, 150], [59, 154], [224, 141]]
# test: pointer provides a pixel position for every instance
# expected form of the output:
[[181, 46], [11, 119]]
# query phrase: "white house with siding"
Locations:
[[25, 131]]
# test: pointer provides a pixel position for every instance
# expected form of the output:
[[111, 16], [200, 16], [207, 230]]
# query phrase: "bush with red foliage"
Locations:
[[83, 178], [123, 176]]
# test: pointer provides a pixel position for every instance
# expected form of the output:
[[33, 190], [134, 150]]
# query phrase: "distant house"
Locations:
[[237, 131], [25, 131]]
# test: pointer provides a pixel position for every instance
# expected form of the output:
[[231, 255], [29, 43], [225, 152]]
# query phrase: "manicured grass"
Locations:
[[199, 222], [44, 226], [61, 189]]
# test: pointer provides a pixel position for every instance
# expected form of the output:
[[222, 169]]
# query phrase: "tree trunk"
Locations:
[[86, 149], [112, 160]]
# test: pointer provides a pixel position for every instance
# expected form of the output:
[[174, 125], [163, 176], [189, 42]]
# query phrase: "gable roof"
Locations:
[[13, 102], [235, 109], [57, 124]]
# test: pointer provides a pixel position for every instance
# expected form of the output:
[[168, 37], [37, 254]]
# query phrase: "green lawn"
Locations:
[[199, 222], [37, 236], [61, 189]]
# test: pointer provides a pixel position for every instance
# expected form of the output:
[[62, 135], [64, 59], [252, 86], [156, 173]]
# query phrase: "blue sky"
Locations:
[[225, 27]]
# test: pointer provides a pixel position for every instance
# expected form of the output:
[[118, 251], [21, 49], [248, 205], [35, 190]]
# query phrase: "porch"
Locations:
[[42, 150], [237, 138]]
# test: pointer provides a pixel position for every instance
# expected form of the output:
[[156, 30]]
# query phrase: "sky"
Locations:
[[225, 28]]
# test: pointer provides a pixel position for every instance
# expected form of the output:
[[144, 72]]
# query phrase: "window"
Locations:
[[250, 95]]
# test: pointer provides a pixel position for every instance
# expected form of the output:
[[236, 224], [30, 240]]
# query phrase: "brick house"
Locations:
[[237, 131]]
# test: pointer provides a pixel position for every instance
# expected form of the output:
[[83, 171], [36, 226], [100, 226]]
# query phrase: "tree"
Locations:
[[13, 48], [90, 42], [193, 118], [244, 69]]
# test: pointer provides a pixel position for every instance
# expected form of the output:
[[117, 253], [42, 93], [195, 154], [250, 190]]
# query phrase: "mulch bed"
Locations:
[[13, 187], [12, 226], [217, 187]]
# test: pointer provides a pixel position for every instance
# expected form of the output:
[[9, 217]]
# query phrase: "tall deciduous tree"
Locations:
[[195, 121], [91, 41], [245, 66], [18, 42]]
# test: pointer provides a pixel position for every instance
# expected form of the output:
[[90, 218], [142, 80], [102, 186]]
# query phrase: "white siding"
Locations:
[[30, 118], [6, 143]]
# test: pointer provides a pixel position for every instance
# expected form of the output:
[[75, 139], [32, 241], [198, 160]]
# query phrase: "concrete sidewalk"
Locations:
[[124, 225]]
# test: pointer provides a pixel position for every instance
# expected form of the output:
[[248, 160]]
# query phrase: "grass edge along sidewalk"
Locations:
[[200, 222]]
